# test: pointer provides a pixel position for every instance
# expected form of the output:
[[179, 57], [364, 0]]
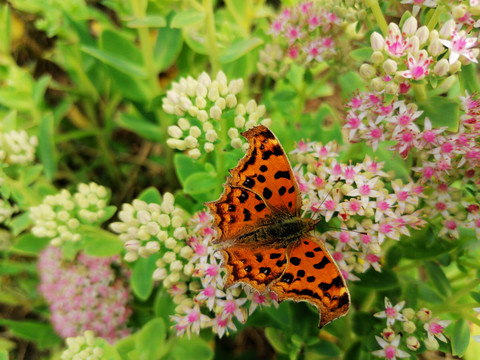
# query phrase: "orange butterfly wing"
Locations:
[[262, 193], [312, 275]]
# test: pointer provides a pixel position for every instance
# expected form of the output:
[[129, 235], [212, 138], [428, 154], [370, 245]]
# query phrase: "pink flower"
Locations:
[[390, 350], [460, 45], [293, 33], [392, 313], [435, 328], [417, 68]]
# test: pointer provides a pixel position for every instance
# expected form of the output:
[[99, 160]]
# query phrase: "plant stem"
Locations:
[[211, 42], [434, 19], [378, 14], [420, 92]]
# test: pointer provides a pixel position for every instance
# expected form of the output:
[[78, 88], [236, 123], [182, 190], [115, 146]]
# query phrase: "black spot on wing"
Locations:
[[295, 261], [231, 207], [260, 207], [250, 161], [247, 215], [265, 270], [282, 190], [322, 263], [344, 300], [311, 278], [249, 182], [261, 178], [300, 273], [280, 263], [243, 196], [248, 268], [287, 278], [263, 168], [282, 174], [277, 151], [310, 254], [291, 190], [275, 256], [267, 193], [259, 257]]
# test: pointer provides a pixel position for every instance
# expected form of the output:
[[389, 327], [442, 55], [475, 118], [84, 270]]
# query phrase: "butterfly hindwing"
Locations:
[[257, 268], [265, 169], [237, 211], [311, 275]]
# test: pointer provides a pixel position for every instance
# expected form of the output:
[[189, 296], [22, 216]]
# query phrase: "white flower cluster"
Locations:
[[60, 215], [82, 348], [200, 104], [271, 61], [6, 210], [16, 147], [151, 228]]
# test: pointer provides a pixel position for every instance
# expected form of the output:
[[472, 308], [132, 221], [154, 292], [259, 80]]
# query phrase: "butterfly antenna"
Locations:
[[356, 231], [314, 215]]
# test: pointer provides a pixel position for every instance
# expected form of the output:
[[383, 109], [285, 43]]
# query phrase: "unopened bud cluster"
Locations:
[[200, 104], [82, 348], [150, 228], [414, 53], [6, 211], [16, 147], [59, 216], [416, 327]]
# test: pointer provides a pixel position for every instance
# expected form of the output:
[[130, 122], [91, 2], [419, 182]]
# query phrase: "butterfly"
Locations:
[[264, 240]]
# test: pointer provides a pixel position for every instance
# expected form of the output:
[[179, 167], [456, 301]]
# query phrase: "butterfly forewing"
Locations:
[[312, 275], [266, 170]]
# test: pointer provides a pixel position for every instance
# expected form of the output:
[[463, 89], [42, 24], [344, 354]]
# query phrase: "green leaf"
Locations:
[[39, 89], [422, 244], [325, 348], [193, 348], [361, 54], [442, 112], [42, 334], [109, 212], [140, 126], [141, 280], [31, 173], [151, 195], [350, 82], [372, 279], [185, 166], [122, 65], [9, 121], [200, 182], [427, 293], [3, 354], [363, 323], [438, 277], [46, 146], [150, 21], [187, 18], [276, 338], [163, 305], [239, 48], [475, 296], [167, 47], [469, 77], [20, 223], [99, 242], [150, 340], [460, 338], [30, 244]]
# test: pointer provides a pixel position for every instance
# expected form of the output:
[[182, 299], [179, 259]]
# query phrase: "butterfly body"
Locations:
[[264, 240]]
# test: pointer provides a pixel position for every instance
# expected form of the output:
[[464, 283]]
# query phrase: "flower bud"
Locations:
[[211, 135], [431, 343], [424, 314], [409, 313], [236, 143], [414, 44], [170, 243], [435, 48], [442, 67], [207, 126], [409, 26], [422, 34], [202, 116], [377, 57], [377, 84], [376, 41], [392, 88], [175, 132], [409, 327], [200, 102], [208, 147], [215, 112], [159, 274], [221, 103], [239, 121], [367, 71], [183, 124], [231, 101], [390, 66], [201, 91], [447, 29], [131, 256], [388, 334], [194, 153], [458, 11], [191, 142], [413, 343], [176, 144], [195, 131], [232, 133]]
